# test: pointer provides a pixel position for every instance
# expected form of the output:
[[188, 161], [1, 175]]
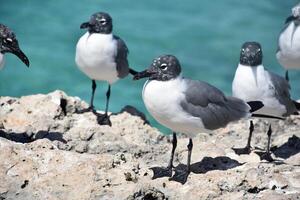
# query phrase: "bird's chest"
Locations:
[[94, 50], [290, 40], [1, 61], [249, 83], [162, 99]]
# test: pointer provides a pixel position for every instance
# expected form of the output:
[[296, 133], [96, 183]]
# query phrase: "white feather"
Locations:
[[162, 100], [95, 55], [289, 44], [2, 61], [254, 84]]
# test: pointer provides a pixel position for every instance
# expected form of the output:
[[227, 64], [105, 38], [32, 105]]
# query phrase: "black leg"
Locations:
[[107, 99], [159, 172], [181, 175], [104, 119], [94, 86], [267, 155], [287, 75], [247, 148], [91, 107]]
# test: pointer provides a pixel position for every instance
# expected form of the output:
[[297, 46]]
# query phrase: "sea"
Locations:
[[205, 35]]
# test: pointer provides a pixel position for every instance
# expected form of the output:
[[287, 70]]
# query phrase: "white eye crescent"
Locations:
[[9, 39], [164, 66], [103, 21]]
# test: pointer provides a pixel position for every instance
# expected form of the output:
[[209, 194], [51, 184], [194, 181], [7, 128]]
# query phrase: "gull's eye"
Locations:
[[103, 21], [8, 40], [164, 66]]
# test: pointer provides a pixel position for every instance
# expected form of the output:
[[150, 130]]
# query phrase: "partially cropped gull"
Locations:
[[187, 106], [253, 82], [101, 56], [288, 52], [9, 44]]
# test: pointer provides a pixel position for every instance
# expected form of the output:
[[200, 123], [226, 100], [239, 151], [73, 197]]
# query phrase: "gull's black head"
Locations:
[[251, 54], [9, 44], [295, 16], [163, 68], [100, 22]]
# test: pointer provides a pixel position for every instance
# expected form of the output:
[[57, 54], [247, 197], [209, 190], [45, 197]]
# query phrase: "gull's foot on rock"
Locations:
[[103, 119], [159, 172], [265, 156], [240, 151], [89, 109], [180, 175]]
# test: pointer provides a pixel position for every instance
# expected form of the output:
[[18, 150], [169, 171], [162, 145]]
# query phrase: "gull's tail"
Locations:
[[256, 105], [297, 104]]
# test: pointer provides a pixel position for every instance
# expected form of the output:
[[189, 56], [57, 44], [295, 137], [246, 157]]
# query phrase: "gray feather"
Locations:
[[210, 104], [281, 92], [121, 58]]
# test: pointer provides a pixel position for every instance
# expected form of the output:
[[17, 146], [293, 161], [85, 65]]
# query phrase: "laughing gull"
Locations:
[[101, 56], [253, 83], [9, 44], [187, 106], [288, 53]]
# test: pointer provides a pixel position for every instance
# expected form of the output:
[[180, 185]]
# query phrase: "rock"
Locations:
[[50, 152]]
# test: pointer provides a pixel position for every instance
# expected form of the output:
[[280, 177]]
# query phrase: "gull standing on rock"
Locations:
[[253, 83], [187, 106], [101, 56], [9, 44], [288, 53]]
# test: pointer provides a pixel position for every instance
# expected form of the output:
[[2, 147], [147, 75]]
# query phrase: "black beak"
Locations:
[[85, 25], [19, 53], [144, 74]]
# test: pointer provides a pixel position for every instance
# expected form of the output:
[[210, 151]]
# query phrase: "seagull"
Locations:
[[186, 106], [253, 82], [288, 52], [101, 56], [9, 44]]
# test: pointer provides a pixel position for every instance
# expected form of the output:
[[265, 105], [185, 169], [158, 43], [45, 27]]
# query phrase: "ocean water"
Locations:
[[205, 35]]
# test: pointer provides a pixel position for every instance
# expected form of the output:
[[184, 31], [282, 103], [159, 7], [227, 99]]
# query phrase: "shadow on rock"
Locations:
[[210, 164], [25, 138], [135, 112], [288, 149], [205, 165]]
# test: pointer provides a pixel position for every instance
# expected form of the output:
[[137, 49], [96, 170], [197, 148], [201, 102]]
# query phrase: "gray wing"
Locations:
[[121, 58], [281, 90], [210, 104]]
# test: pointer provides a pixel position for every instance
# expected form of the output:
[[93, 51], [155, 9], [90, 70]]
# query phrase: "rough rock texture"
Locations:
[[47, 151]]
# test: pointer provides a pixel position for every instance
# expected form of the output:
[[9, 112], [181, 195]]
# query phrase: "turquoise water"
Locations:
[[206, 36]]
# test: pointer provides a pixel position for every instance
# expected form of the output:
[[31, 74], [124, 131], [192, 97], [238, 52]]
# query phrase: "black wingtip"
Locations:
[[267, 116], [297, 104], [255, 105]]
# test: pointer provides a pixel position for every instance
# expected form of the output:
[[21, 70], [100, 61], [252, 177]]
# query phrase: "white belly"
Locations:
[[95, 55], [289, 44], [162, 99], [252, 84], [2, 61]]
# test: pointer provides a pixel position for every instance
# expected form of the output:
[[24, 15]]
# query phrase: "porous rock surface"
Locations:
[[48, 151]]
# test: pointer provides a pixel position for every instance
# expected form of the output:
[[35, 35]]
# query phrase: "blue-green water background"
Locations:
[[205, 35]]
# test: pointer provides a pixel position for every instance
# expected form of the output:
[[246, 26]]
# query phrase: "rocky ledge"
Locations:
[[47, 151]]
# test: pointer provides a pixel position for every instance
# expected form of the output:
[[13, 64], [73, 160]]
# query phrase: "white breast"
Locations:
[[289, 44], [2, 61], [95, 55], [254, 84], [162, 99]]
